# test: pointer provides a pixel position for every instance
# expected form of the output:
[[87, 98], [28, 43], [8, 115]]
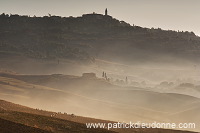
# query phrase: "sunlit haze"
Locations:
[[67, 63]]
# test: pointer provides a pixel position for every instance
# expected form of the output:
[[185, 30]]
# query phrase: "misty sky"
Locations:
[[165, 14]]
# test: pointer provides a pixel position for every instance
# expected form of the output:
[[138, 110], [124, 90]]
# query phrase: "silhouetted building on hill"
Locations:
[[93, 15], [89, 75], [96, 15]]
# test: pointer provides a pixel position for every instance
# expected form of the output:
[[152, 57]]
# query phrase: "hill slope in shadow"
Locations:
[[93, 36]]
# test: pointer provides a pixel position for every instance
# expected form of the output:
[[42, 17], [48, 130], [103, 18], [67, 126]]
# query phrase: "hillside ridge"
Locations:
[[91, 36]]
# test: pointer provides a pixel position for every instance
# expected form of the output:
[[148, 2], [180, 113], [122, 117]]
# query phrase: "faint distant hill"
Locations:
[[92, 36]]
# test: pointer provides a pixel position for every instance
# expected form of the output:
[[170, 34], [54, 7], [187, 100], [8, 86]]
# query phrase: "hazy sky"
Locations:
[[165, 14]]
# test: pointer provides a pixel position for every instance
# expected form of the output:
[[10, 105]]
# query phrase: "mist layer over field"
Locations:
[[145, 92]]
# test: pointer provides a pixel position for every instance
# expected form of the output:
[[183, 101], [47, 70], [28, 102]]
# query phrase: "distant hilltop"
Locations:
[[98, 16], [92, 36]]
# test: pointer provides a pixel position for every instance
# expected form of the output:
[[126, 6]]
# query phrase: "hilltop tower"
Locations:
[[106, 12]]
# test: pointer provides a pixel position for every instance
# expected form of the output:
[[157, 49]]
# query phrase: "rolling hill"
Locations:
[[34, 50], [14, 117], [92, 36], [97, 98]]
